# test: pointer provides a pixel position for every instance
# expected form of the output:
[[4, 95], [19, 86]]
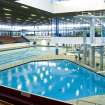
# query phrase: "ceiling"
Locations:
[[13, 13]]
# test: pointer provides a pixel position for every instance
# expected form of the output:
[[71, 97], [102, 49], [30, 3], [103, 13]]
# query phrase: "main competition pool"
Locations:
[[57, 79]]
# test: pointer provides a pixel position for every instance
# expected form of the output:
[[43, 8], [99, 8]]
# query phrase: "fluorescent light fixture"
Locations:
[[18, 19], [6, 9], [42, 17], [33, 15], [7, 14], [29, 18], [24, 7]]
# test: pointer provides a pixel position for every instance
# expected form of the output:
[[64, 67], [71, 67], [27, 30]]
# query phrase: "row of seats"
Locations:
[[12, 39]]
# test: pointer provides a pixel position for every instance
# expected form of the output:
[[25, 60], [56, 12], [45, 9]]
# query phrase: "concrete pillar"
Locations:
[[92, 56], [101, 57], [34, 31], [84, 48], [92, 29], [57, 26], [92, 48], [11, 33], [85, 54]]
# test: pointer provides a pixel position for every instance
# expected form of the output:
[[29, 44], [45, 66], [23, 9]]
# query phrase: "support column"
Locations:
[[85, 48], [57, 26], [101, 57], [10, 33], [85, 54], [92, 29], [92, 48], [51, 23], [92, 56], [34, 31]]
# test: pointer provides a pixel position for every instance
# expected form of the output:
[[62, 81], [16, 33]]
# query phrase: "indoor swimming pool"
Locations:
[[58, 79]]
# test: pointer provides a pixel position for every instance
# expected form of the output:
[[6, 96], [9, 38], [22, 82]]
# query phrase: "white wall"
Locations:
[[78, 5], [66, 40], [40, 4], [76, 40]]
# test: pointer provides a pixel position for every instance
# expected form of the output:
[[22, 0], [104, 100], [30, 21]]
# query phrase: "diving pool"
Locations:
[[58, 79]]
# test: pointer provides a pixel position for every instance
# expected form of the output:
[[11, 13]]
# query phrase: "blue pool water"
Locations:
[[58, 79]]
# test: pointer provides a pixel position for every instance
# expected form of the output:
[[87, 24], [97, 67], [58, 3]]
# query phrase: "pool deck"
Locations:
[[93, 100]]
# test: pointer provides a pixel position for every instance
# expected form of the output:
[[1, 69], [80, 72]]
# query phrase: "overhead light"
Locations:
[[33, 15], [18, 19], [6, 9], [42, 17], [7, 14], [24, 7], [29, 18]]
